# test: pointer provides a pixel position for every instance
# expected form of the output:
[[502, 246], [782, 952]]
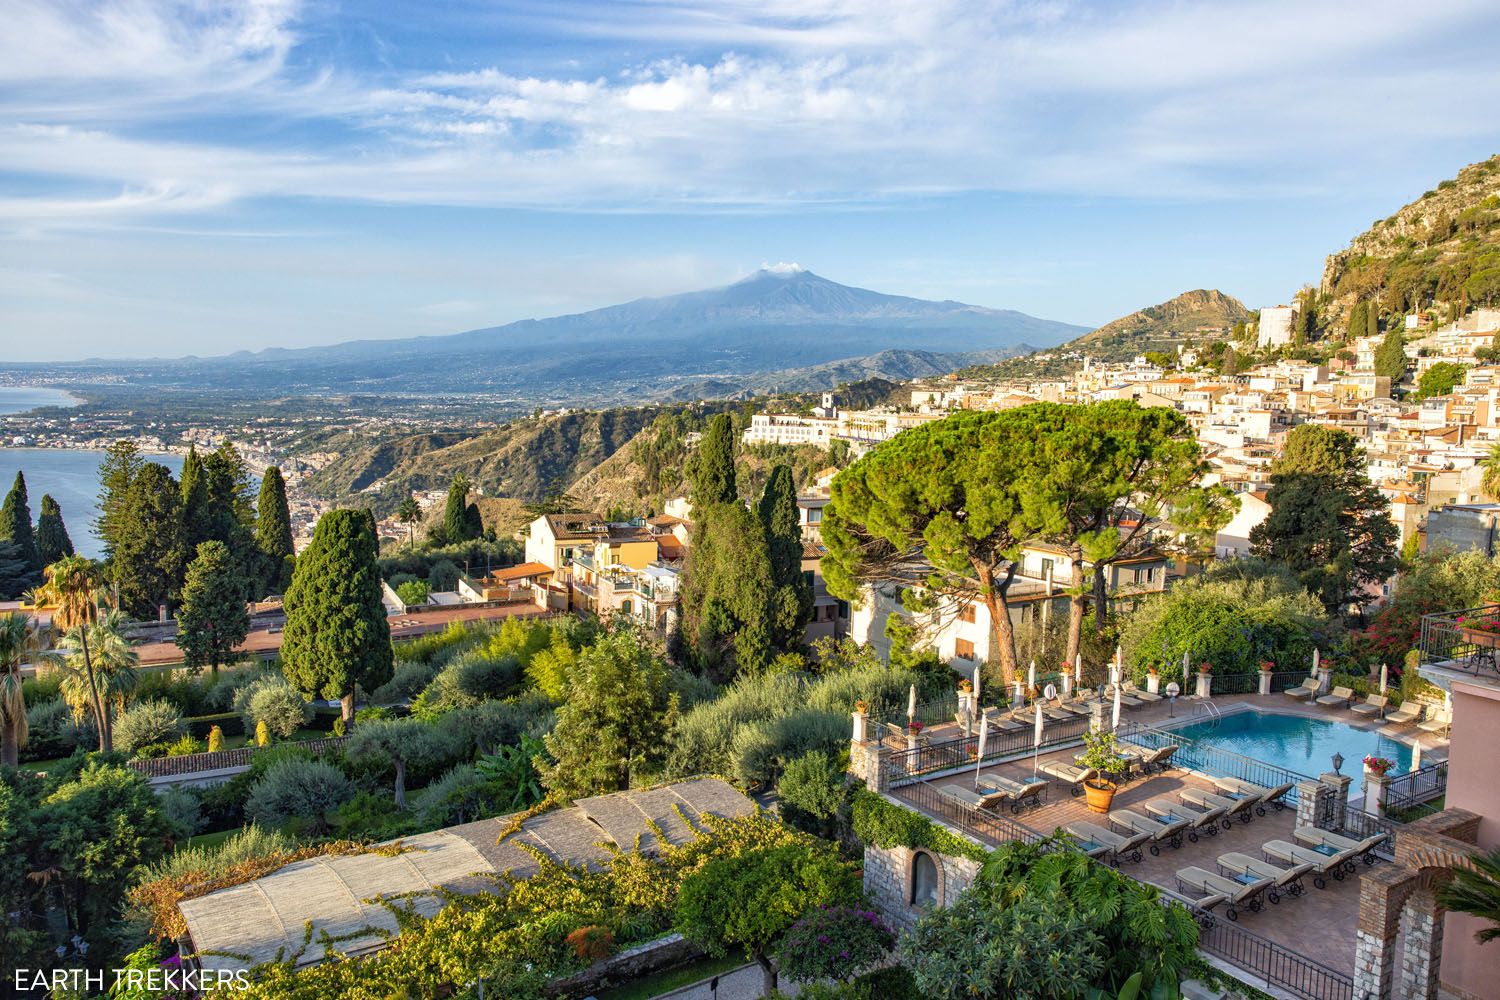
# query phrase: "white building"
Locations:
[[1275, 326]]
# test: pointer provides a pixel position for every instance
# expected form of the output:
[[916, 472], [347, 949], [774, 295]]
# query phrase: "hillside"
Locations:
[[1443, 248], [896, 366]]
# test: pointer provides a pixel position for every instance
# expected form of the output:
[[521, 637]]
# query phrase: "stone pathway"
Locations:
[[743, 983]]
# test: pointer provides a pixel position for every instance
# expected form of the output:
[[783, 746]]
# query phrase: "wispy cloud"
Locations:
[[739, 105]]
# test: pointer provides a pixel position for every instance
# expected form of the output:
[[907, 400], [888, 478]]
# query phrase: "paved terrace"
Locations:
[[1319, 924]]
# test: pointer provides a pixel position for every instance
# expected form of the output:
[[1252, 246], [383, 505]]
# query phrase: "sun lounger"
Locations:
[[1306, 689], [1130, 689], [1340, 696], [1069, 774], [1238, 893], [1289, 878], [1410, 711], [1159, 759], [1119, 846], [1158, 830], [1054, 714], [1232, 807], [1201, 908], [1324, 864], [1434, 726], [1316, 838], [1125, 698], [1372, 705], [1167, 810], [971, 799], [1021, 793], [1238, 787], [1000, 719], [1070, 707]]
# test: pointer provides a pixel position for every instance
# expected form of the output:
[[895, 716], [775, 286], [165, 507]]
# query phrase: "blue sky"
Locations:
[[207, 176]]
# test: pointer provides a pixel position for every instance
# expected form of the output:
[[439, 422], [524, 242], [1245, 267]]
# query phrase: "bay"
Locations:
[[20, 398], [71, 476]]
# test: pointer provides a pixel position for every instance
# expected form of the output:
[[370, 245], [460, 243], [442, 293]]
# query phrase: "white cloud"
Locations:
[[742, 104]]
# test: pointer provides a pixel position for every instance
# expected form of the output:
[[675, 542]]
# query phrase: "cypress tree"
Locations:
[[15, 523], [273, 533], [149, 551], [336, 630], [1230, 365], [195, 503], [229, 512], [1372, 320], [778, 518], [52, 541], [713, 466], [213, 619], [122, 463], [458, 524], [1390, 357], [1357, 320], [15, 576]]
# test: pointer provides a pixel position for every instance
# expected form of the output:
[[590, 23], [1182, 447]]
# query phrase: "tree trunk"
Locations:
[[1001, 629], [768, 974], [1101, 596], [1076, 606], [101, 713], [346, 709], [400, 783], [10, 747]]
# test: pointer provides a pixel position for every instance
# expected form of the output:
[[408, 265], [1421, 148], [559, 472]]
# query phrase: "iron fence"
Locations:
[[1277, 965], [1415, 788], [1463, 640], [929, 713], [1358, 824], [1285, 680], [909, 765], [193, 763], [990, 826], [1212, 760]]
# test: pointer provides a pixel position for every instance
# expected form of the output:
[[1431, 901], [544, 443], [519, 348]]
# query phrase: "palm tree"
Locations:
[[19, 643], [1490, 482], [409, 514], [111, 657], [72, 586], [1475, 890]]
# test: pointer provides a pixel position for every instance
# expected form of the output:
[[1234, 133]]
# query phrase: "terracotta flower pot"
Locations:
[[1099, 793], [1481, 638]]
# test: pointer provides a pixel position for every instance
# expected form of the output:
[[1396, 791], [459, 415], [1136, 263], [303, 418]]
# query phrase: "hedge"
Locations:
[[229, 723], [884, 824]]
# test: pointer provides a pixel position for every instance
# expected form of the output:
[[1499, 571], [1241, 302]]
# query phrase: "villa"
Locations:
[[1311, 875]]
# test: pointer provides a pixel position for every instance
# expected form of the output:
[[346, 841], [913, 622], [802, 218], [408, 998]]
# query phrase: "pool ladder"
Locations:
[[1211, 710]]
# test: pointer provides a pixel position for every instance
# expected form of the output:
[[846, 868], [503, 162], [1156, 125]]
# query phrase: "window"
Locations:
[[924, 880], [844, 610], [963, 649], [966, 613], [1047, 568], [625, 607]]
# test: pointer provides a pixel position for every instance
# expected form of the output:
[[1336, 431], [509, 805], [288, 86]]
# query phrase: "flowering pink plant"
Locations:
[[1379, 765], [1480, 624], [914, 726], [1267, 665]]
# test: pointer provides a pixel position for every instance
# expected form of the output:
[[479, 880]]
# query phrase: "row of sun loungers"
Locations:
[[1373, 706], [994, 791]]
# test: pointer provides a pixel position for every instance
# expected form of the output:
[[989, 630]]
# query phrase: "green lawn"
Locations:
[[208, 839], [233, 742], [665, 982], [42, 765]]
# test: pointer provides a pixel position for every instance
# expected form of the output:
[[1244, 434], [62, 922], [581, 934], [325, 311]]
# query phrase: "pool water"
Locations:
[[1299, 744]]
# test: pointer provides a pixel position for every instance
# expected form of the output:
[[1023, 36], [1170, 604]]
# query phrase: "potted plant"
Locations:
[[965, 686], [862, 707], [914, 727], [1100, 754], [1378, 766], [1267, 667], [1480, 631], [1205, 667]]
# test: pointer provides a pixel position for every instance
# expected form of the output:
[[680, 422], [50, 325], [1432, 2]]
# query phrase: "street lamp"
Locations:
[[1172, 692], [1338, 761]]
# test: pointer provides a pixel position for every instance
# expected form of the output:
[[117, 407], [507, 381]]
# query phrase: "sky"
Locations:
[[205, 176]]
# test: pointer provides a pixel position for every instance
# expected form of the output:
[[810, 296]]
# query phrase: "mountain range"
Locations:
[[761, 333]]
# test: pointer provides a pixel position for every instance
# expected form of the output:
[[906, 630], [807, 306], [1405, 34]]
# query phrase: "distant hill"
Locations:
[[1188, 317], [897, 366], [1445, 246], [695, 345]]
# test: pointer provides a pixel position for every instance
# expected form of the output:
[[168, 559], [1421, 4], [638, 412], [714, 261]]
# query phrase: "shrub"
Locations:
[[407, 681], [761, 749], [492, 724], [814, 791], [834, 942], [462, 795], [185, 745], [472, 678], [591, 943], [182, 810], [275, 702], [152, 721], [303, 790], [222, 697], [883, 824], [413, 593], [262, 734], [443, 576], [54, 731], [215, 740]]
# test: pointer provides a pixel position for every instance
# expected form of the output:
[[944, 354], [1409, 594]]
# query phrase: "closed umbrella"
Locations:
[[1187, 667], [911, 705], [1382, 678], [1315, 659], [1115, 724], [984, 734], [977, 702], [1031, 676], [1077, 668], [1036, 740]]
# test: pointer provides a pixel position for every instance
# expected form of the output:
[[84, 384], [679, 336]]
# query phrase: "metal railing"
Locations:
[[1277, 965], [193, 763], [929, 713], [1199, 756], [1417, 787], [1236, 683], [1463, 640], [1285, 680], [986, 825], [1359, 824], [909, 765]]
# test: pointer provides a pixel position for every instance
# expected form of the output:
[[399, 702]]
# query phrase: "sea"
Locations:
[[71, 476]]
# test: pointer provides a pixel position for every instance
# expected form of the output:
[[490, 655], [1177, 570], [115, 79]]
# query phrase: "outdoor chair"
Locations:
[[895, 732], [1289, 879], [1053, 713], [1340, 696], [1069, 774], [1201, 908], [1335, 864], [1072, 708], [1410, 711], [971, 799], [1159, 759], [1436, 726], [999, 720], [1021, 793], [1232, 807], [1120, 847], [1169, 831], [1238, 787], [1372, 705], [1130, 689], [1166, 809], [1125, 697], [1324, 840], [1306, 689], [1237, 893]]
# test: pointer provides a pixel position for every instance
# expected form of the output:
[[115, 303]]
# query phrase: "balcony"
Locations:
[[1461, 645]]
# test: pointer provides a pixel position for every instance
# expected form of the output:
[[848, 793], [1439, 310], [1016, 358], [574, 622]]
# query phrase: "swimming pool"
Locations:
[[1299, 744]]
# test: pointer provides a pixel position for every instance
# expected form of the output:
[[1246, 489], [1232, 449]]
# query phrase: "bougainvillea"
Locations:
[[834, 942]]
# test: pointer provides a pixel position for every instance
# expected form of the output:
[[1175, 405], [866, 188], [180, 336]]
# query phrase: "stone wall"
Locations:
[[653, 956], [888, 882]]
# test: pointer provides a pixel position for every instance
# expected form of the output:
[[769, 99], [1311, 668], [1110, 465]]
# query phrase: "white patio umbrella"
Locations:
[[1382, 678], [1187, 666], [1077, 668], [984, 735], [1115, 723], [911, 705], [1036, 740], [1031, 676], [976, 685], [1315, 659]]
